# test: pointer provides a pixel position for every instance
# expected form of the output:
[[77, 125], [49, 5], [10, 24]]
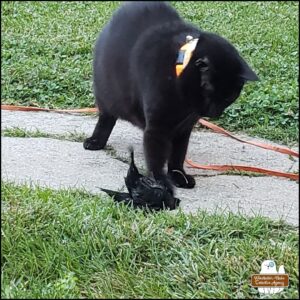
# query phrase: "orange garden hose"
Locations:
[[265, 146], [188, 161], [242, 168], [31, 108]]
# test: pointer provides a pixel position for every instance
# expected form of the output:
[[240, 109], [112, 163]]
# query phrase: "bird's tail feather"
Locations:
[[131, 151], [132, 169]]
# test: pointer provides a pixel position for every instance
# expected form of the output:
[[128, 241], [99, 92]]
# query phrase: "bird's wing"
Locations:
[[118, 196], [281, 270], [150, 183], [146, 196]]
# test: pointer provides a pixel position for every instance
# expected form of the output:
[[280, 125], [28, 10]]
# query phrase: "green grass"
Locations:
[[47, 54], [24, 133], [69, 244]]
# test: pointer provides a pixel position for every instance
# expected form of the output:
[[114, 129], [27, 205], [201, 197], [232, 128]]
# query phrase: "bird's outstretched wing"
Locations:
[[118, 196], [126, 199]]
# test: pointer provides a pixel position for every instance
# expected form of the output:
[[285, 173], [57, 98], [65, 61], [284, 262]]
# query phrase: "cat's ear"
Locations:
[[247, 73], [202, 64]]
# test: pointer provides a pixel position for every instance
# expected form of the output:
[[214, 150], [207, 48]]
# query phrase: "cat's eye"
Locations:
[[202, 64]]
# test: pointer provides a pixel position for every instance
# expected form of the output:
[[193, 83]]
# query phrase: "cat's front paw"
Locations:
[[92, 143], [182, 180]]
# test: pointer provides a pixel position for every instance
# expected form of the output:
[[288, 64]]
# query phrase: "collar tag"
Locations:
[[185, 54]]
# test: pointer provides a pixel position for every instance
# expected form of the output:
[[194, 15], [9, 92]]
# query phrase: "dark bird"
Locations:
[[144, 191]]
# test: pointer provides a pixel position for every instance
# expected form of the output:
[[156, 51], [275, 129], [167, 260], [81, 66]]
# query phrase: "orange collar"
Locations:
[[185, 54]]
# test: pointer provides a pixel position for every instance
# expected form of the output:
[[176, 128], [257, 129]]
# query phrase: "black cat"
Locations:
[[140, 76]]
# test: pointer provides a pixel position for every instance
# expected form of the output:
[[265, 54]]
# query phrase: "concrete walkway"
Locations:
[[59, 163]]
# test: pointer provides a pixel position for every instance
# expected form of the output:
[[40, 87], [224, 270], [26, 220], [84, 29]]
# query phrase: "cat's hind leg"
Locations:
[[101, 133]]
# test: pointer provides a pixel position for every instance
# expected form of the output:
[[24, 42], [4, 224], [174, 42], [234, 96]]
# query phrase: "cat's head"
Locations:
[[215, 75]]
